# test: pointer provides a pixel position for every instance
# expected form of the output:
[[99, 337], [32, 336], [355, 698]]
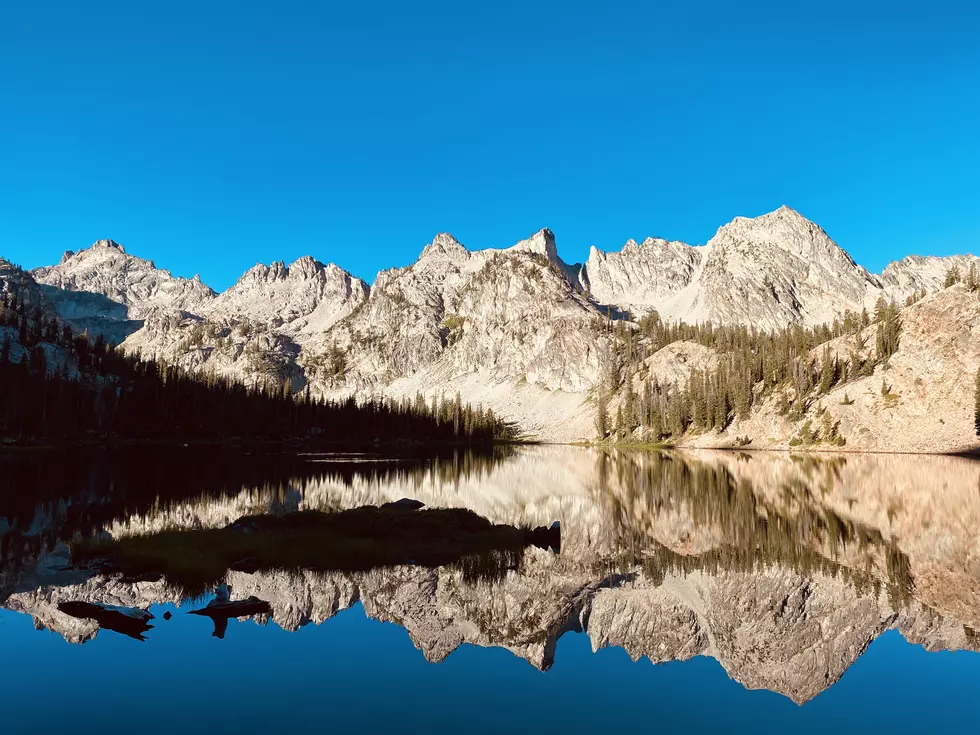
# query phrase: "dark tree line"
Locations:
[[89, 488], [57, 385], [751, 365]]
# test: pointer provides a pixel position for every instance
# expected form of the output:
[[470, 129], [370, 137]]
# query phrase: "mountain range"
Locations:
[[519, 329]]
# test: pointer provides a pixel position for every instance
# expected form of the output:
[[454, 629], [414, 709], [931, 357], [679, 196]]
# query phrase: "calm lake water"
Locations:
[[693, 592]]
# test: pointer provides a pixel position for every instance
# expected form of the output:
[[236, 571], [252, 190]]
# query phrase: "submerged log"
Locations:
[[222, 609], [129, 621]]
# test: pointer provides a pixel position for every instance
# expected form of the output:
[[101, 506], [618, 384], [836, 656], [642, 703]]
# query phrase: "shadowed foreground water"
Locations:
[[772, 591]]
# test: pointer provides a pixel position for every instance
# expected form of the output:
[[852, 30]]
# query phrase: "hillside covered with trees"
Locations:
[[802, 381]]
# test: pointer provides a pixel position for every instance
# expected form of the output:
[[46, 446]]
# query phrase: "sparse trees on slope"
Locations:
[[602, 413], [751, 365], [972, 278], [952, 276]]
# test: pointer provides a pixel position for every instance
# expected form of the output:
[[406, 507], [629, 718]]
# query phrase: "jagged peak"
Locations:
[[783, 212], [306, 266], [541, 242], [95, 249], [303, 268], [108, 244], [443, 243], [783, 221], [260, 271], [632, 246], [303, 259]]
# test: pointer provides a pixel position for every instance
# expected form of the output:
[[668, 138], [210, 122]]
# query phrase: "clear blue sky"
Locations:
[[209, 136]]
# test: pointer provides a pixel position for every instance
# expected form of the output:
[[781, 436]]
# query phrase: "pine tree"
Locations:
[[827, 371], [972, 279], [952, 276], [629, 405], [602, 414]]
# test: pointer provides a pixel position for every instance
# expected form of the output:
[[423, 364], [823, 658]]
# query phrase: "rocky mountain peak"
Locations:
[[305, 295], [108, 244], [444, 245], [305, 267], [301, 269], [640, 277], [105, 290], [96, 252], [784, 228], [541, 242]]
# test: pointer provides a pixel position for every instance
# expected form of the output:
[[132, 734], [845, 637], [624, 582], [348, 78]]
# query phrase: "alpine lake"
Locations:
[[526, 589]]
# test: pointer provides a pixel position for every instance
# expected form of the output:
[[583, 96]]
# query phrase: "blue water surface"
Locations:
[[354, 672]]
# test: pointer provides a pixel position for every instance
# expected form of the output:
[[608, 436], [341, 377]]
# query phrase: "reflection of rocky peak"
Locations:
[[50, 585], [782, 568], [770, 629]]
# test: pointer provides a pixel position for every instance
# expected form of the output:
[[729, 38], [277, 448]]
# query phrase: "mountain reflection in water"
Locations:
[[783, 568]]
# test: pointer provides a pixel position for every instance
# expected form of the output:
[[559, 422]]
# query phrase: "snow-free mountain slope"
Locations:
[[640, 277], [768, 271], [510, 312], [305, 296], [106, 268], [910, 275]]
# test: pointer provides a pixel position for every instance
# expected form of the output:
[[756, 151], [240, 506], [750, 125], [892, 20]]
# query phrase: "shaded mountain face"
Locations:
[[514, 328], [783, 569], [106, 269], [15, 282], [31, 300]]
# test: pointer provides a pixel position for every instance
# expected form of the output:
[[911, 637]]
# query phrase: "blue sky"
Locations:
[[211, 136]]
